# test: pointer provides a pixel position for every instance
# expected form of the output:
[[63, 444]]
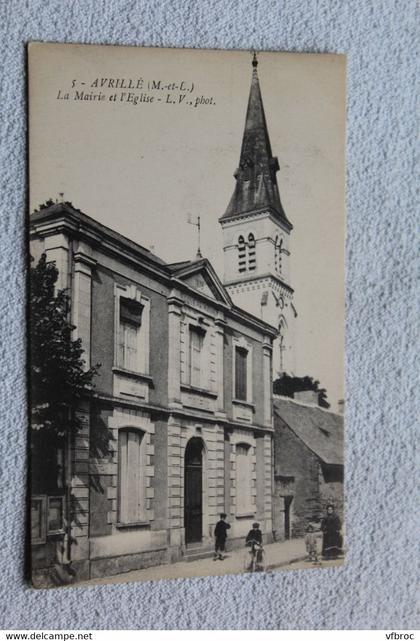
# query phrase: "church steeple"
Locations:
[[256, 235], [256, 186]]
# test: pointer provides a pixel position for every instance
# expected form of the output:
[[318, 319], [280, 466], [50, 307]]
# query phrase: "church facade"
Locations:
[[256, 235]]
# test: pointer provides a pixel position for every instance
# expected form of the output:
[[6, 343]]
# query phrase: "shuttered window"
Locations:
[[243, 479], [128, 332], [131, 475], [196, 356], [241, 357]]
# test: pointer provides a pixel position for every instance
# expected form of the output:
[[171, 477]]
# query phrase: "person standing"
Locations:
[[311, 544], [331, 540], [220, 534]]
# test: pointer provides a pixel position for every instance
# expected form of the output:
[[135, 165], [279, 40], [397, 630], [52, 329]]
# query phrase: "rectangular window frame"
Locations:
[[124, 485], [241, 343], [241, 373], [142, 356], [60, 530], [45, 509], [196, 356], [245, 508]]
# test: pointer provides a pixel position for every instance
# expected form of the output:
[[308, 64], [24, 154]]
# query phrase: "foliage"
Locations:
[[287, 385], [50, 202], [57, 376]]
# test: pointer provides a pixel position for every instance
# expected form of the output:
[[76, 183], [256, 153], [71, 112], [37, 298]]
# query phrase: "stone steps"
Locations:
[[197, 552]]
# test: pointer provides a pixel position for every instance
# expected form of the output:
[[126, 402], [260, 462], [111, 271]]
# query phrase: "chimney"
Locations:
[[310, 397]]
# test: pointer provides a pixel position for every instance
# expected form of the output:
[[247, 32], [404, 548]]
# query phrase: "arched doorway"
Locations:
[[193, 491]]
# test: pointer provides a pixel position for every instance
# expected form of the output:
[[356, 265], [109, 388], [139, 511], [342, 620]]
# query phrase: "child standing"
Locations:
[[311, 544], [220, 534]]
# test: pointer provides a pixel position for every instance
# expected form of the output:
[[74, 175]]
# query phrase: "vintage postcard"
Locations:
[[187, 226]]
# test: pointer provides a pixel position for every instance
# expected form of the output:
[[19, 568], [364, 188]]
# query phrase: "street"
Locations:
[[285, 555]]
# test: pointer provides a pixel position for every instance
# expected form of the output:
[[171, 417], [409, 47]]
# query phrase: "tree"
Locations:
[[287, 385], [58, 379]]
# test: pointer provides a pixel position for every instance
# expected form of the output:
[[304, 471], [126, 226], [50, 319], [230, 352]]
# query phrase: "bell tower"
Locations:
[[256, 235]]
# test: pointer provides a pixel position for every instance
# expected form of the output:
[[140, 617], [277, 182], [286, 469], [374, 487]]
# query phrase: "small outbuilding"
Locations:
[[308, 463]]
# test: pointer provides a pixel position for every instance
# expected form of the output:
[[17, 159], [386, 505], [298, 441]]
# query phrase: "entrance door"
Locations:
[[287, 503], [193, 497]]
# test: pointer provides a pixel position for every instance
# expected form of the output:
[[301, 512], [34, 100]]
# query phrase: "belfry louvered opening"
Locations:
[[241, 254], [252, 260], [247, 259]]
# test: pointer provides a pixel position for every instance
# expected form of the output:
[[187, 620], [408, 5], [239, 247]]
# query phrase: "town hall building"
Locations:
[[179, 425]]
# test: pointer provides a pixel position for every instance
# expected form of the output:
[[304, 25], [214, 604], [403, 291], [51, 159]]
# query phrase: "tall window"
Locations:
[[241, 254], [131, 476], [243, 479], [241, 383], [129, 328], [252, 262], [278, 254], [196, 355]]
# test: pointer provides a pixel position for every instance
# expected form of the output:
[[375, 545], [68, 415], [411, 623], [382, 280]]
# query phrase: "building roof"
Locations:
[[65, 215], [321, 431], [67, 210], [256, 186]]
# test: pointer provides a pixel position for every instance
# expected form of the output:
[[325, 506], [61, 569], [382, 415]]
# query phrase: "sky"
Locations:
[[145, 158]]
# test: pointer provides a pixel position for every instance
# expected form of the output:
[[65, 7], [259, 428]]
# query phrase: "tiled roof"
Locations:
[[256, 186], [321, 431]]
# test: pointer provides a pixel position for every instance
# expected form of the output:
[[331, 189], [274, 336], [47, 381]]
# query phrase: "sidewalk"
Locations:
[[278, 555]]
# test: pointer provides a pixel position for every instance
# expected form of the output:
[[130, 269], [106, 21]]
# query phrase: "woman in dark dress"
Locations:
[[331, 540]]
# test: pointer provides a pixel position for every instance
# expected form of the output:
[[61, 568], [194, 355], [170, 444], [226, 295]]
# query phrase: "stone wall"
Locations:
[[300, 476], [296, 473]]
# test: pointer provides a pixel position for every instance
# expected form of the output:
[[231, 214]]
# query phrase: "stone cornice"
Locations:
[[183, 412], [261, 213], [249, 279]]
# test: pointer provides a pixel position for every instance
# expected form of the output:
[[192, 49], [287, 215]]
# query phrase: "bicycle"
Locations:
[[255, 558]]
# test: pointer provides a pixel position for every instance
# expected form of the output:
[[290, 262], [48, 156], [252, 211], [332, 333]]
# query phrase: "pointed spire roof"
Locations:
[[256, 183]]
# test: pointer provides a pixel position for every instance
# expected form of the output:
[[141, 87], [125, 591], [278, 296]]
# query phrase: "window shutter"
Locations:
[[196, 349], [240, 373], [130, 476], [129, 327], [243, 479]]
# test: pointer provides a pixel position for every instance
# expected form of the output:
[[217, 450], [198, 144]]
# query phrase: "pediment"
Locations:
[[204, 279], [198, 281]]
